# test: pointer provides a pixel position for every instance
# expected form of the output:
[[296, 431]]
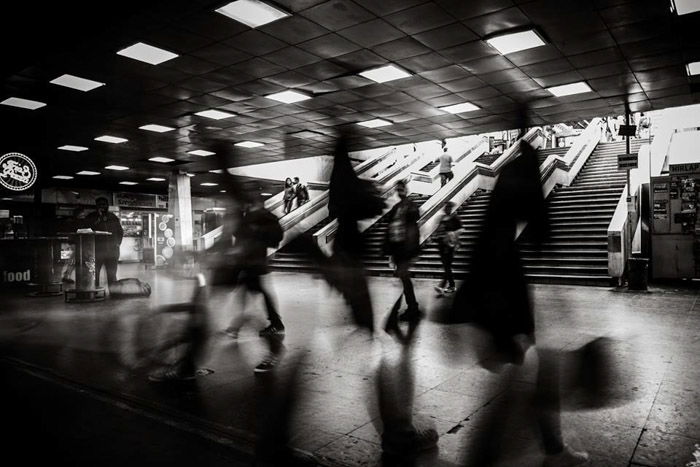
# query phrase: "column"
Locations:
[[180, 207]]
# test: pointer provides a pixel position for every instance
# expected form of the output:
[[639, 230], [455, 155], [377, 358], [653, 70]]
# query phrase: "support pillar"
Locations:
[[180, 207]]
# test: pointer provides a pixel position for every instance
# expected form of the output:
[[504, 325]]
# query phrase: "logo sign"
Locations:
[[17, 171], [689, 168], [626, 161]]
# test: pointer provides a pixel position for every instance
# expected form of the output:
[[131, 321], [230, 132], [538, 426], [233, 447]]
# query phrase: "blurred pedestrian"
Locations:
[[448, 241], [106, 246]]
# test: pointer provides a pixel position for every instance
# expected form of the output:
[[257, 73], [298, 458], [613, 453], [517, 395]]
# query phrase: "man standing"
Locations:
[[301, 192], [448, 240], [106, 246], [403, 244], [445, 167]]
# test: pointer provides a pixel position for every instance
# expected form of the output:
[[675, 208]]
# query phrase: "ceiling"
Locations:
[[629, 52]]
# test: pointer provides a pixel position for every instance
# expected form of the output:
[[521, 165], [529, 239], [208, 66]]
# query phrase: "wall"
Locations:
[[307, 169]]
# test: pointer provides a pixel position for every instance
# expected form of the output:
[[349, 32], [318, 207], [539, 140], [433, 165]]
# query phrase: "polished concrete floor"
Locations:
[[93, 358]]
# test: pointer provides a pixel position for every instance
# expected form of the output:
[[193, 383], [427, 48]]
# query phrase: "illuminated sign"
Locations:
[[17, 172]]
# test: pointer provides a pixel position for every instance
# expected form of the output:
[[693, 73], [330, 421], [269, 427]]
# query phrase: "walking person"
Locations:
[[289, 195], [301, 192], [448, 241], [402, 244], [106, 246], [445, 167]]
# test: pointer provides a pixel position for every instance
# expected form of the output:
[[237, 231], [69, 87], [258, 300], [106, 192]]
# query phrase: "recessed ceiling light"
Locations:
[[252, 13], [87, 172], [156, 128], [128, 183], [222, 191], [201, 153], [515, 42], [147, 53], [265, 194], [116, 167], [6, 199], [155, 179], [23, 103], [75, 82], [209, 184], [377, 122], [385, 73], [683, 7], [693, 68], [288, 97], [249, 144], [111, 139], [164, 160], [190, 175], [70, 147], [216, 171], [215, 114], [63, 177], [460, 108], [568, 89]]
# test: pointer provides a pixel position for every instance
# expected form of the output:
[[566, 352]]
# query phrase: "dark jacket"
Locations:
[[107, 223], [406, 214], [252, 237], [449, 223]]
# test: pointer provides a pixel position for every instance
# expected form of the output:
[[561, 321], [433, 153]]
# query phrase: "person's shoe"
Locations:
[[425, 438], [439, 290], [450, 290], [271, 331], [232, 333], [566, 458], [267, 365], [170, 374]]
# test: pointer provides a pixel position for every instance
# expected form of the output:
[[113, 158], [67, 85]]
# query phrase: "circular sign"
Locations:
[[162, 226], [165, 217], [168, 233], [171, 242], [167, 252], [17, 171]]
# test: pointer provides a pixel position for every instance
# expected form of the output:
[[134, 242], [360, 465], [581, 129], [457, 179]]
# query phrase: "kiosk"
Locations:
[[675, 236], [85, 290]]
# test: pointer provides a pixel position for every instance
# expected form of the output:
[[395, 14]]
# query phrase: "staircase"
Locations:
[[430, 166], [577, 250], [291, 257], [542, 154], [375, 261], [472, 213]]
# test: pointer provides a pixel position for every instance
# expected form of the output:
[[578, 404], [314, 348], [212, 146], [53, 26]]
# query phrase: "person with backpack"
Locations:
[[301, 192], [448, 240]]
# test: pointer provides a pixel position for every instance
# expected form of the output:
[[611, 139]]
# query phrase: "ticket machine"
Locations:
[[675, 238]]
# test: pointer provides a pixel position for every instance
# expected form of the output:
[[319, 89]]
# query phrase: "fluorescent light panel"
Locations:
[[70, 147], [116, 167], [249, 144], [683, 7], [376, 123], [128, 183], [63, 177], [164, 160], [190, 175], [216, 171], [23, 103], [156, 128], [87, 172], [75, 82], [155, 179], [515, 42], [147, 53], [385, 73], [111, 139], [693, 68], [201, 153], [209, 184], [569, 89], [215, 114], [252, 13], [288, 97], [460, 108]]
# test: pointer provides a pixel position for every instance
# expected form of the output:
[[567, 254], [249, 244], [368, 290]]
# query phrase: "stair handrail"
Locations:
[[619, 246]]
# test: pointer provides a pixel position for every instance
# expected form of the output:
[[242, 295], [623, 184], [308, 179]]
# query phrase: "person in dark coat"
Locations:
[[106, 246], [301, 192], [447, 241], [402, 244]]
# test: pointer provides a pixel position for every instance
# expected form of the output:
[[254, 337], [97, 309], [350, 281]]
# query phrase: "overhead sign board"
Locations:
[[688, 168], [626, 161]]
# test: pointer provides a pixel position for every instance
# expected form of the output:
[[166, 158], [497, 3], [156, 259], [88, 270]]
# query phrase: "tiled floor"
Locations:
[[656, 347]]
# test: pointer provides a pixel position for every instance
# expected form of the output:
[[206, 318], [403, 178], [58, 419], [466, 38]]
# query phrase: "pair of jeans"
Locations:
[[110, 260], [404, 274], [446, 177]]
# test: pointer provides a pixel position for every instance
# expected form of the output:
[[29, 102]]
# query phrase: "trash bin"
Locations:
[[638, 275]]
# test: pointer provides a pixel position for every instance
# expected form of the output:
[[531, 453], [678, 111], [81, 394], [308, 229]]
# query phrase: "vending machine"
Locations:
[[675, 238]]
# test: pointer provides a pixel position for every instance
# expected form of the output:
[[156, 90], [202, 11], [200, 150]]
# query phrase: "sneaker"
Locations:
[[266, 365], [425, 438], [271, 331], [450, 289], [439, 290], [169, 374], [566, 458]]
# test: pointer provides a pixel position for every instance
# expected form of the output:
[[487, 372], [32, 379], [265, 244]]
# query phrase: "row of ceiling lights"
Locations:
[[255, 13]]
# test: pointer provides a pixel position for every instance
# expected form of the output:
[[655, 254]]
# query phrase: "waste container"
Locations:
[[638, 273]]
